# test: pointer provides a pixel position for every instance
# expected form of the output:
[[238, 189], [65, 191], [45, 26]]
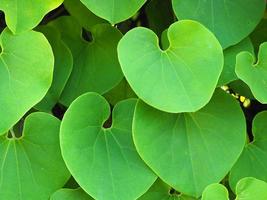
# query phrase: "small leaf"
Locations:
[[32, 166], [254, 75], [251, 189], [114, 11], [231, 21], [103, 160], [253, 160], [62, 68], [70, 194], [23, 15], [189, 151], [179, 79], [26, 71], [96, 67], [215, 191]]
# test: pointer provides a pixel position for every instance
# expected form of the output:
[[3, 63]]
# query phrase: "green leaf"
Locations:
[[114, 11], [103, 160], [84, 16], [253, 160], [251, 189], [62, 68], [254, 74], [228, 74], [26, 70], [120, 92], [215, 191], [189, 151], [70, 194], [32, 166], [161, 191], [23, 15], [231, 21], [179, 79], [96, 67]]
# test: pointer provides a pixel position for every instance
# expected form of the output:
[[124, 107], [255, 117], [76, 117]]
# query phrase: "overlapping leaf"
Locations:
[[253, 160], [103, 160], [254, 74], [231, 21], [26, 70], [62, 68], [215, 191], [191, 150], [179, 79], [23, 15], [114, 11], [96, 67], [32, 166]]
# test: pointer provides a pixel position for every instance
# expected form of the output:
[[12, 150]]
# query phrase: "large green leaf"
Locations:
[[161, 191], [32, 166], [103, 160], [70, 194], [231, 21], [228, 74], [253, 160], [254, 74], [26, 70], [114, 11], [251, 189], [84, 16], [191, 150], [96, 67], [62, 68], [23, 15], [179, 79], [215, 191]]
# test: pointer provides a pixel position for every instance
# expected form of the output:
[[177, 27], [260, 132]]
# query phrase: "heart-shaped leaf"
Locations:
[[161, 191], [114, 11], [30, 165], [24, 15], [79, 11], [215, 191], [70, 194], [228, 74], [62, 68], [254, 74], [103, 160], [26, 70], [251, 189], [179, 79], [189, 151], [253, 160], [231, 21], [96, 67]]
